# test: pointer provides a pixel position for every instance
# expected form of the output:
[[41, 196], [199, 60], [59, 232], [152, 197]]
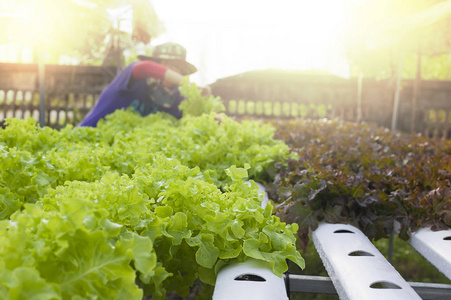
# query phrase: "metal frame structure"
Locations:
[[357, 269], [324, 285]]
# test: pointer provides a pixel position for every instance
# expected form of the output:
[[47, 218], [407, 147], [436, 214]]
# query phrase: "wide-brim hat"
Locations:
[[174, 53]]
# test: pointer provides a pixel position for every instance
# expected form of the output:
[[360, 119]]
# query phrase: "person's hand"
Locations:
[[206, 91]]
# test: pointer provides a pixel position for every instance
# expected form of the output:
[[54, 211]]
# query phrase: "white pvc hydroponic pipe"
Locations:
[[252, 279]]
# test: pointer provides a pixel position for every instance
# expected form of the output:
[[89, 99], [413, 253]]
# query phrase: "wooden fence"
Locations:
[[71, 91], [292, 94]]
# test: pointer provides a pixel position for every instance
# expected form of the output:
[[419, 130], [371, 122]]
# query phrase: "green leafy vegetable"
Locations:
[[137, 206], [194, 103]]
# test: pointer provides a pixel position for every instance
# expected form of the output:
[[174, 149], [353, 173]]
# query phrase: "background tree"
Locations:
[[389, 39], [80, 29], [377, 30]]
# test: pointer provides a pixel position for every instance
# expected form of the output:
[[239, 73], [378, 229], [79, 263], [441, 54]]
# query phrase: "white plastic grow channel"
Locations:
[[261, 189], [252, 279], [435, 246], [357, 269]]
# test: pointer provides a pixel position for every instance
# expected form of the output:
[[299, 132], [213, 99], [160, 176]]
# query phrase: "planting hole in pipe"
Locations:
[[447, 238], [384, 285], [343, 231], [249, 277], [360, 253]]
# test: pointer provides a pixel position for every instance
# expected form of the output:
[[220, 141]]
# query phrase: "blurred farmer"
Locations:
[[148, 86]]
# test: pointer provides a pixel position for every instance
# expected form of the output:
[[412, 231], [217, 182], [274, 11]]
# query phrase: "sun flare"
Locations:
[[236, 36], [222, 37]]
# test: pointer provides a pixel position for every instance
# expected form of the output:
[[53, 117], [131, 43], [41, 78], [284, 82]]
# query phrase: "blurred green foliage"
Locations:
[[382, 33]]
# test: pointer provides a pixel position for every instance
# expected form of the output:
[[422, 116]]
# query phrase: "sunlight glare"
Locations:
[[231, 37]]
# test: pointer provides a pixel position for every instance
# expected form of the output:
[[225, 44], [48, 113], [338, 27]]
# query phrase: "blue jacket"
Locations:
[[123, 93]]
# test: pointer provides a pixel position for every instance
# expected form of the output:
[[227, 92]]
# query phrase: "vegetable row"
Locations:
[[137, 206], [364, 175]]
